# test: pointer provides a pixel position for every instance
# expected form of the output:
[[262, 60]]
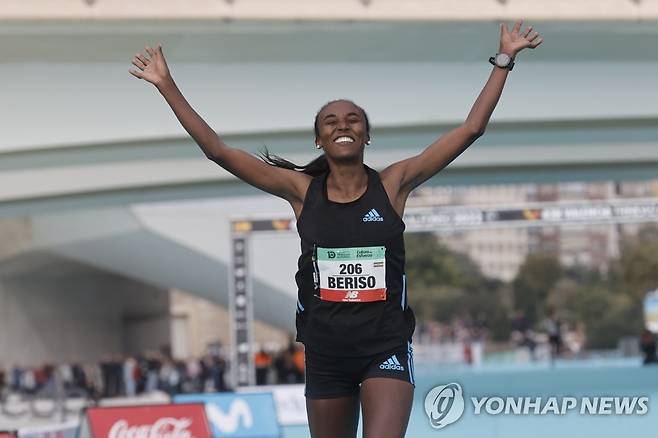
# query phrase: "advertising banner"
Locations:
[[150, 399], [161, 421], [7, 435], [289, 401], [238, 415], [57, 430], [17, 410]]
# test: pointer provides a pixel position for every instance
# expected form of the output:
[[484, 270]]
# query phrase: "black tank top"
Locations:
[[351, 283]]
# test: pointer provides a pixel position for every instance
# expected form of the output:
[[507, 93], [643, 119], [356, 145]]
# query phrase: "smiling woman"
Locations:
[[352, 312], [347, 109]]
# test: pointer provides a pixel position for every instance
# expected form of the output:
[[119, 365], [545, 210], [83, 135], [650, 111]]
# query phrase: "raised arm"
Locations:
[[287, 184], [406, 175]]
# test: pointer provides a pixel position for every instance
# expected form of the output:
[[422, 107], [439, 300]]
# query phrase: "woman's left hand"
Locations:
[[513, 42]]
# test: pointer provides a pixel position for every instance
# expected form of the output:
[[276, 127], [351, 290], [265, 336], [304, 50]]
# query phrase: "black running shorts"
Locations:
[[332, 377]]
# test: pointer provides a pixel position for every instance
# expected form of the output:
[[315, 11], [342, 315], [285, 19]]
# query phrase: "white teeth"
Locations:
[[344, 140]]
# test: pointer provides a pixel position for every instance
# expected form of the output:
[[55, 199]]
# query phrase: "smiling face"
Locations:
[[342, 130]]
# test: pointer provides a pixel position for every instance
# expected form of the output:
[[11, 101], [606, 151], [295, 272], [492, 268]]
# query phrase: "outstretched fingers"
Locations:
[[503, 29], [136, 73], [139, 62], [536, 41], [527, 32], [517, 26], [143, 59]]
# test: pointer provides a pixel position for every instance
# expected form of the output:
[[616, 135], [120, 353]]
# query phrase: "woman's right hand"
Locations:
[[153, 70]]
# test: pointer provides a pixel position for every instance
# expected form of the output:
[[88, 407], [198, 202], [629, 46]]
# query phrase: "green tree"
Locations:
[[607, 315], [536, 277], [638, 264], [444, 284], [610, 303]]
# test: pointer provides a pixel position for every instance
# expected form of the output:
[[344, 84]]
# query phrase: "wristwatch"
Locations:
[[502, 60]]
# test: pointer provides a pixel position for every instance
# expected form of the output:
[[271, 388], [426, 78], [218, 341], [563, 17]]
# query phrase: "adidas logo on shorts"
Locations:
[[373, 216], [391, 363]]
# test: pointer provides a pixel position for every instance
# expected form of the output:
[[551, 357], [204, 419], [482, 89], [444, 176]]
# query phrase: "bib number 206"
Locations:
[[350, 268]]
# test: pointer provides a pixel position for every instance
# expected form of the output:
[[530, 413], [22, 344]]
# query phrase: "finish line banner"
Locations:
[[452, 217], [540, 214], [161, 421], [238, 415]]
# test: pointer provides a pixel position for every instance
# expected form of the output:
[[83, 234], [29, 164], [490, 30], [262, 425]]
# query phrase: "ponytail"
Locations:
[[316, 167]]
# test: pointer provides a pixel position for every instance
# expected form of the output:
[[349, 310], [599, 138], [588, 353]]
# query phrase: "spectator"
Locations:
[[552, 325], [79, 377], [299, 363], [217, 370], [129, 373], [193, 373], [16, 378], [3, 380], [262, 362], [153, 365], [28, 381], [648, 347]]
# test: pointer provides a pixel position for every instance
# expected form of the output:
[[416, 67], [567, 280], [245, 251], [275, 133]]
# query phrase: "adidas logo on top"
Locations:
[[391, 363], [372, 216]]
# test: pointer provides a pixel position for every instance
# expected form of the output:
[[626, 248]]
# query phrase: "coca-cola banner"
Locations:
[[163, 421], [238, 415]]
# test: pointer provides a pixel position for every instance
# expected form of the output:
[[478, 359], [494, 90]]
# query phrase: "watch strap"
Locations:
[[492, 61]]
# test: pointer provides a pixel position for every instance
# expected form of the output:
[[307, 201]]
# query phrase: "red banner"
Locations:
[[162, 421], [7, 435]]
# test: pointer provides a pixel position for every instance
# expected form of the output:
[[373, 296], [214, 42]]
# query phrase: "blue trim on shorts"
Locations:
[[410, 362]]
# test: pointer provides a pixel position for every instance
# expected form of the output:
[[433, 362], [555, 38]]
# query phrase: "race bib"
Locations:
[[353, 275]]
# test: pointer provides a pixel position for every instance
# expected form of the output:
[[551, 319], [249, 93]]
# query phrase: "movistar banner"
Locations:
[[238, 415]]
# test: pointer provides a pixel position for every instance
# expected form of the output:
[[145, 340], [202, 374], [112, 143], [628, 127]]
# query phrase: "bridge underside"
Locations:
[[99, 164]]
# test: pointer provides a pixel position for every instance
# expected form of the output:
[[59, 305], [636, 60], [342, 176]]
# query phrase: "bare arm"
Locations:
[[287, 184], [408, 174]]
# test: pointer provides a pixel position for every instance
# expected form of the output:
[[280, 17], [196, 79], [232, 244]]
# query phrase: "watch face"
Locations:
[[503, 60]]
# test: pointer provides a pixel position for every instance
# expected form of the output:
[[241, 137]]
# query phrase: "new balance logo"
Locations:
[[372, 216], [391, 363]]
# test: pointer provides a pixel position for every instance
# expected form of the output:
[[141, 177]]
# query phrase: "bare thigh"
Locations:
[[334, 417], [386, 406]]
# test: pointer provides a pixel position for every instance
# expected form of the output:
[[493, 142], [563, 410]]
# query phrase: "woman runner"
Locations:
[[352, 312]]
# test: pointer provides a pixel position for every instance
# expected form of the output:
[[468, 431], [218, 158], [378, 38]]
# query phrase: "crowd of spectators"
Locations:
[[458, 330], [116, 376]]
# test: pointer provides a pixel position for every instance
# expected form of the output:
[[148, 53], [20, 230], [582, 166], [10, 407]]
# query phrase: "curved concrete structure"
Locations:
[[87, 151]]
